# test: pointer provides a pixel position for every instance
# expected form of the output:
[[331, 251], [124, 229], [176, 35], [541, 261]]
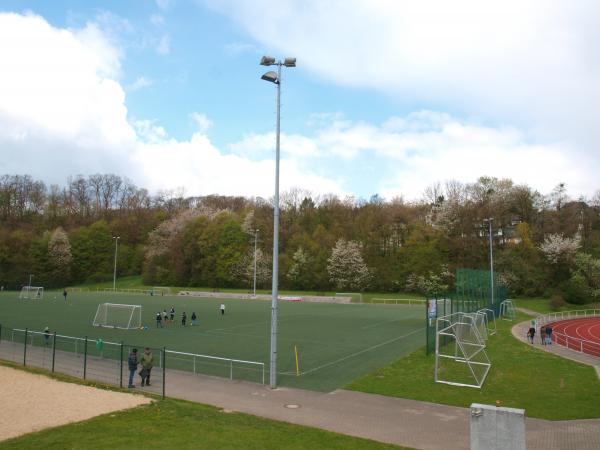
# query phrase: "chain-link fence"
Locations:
[[107, 362]]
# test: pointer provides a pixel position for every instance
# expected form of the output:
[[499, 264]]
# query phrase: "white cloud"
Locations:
[[140, 83], [163, 4], [202, 121], [535, 63], [263, 145], [62, 113], [164, 45]]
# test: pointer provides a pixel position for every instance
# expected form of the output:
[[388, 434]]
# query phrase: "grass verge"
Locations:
[[545, 385], [178, 424]]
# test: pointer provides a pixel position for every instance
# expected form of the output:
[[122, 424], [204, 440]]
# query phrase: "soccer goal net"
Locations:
[[508, 310], [160, 291], [460, 357], [355, 297], [32, 292], [114, 315]]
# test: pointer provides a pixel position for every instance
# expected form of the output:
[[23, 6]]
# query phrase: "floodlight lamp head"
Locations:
[[289, 62], [270, 76], [267, 61]]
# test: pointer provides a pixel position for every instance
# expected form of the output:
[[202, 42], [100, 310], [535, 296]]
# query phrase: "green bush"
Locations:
[[575, 290]]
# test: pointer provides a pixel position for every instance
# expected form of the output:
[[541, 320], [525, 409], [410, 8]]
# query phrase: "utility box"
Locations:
[[497, 428]]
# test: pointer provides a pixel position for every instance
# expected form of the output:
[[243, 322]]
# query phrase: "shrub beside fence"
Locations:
[[106, 362]]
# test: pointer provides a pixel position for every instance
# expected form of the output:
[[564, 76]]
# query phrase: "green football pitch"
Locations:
[[336, 343]]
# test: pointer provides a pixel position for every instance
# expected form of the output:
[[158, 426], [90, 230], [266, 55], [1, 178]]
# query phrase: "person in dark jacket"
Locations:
[[133, 363]]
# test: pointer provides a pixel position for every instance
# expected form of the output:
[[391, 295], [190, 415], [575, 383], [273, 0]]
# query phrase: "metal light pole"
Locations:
[[275, 78], [489, 221], [116, 238], [255, 239]]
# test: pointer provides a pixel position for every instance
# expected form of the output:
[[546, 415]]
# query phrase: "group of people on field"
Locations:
[[163, 317], [545, 334], [146, 361]]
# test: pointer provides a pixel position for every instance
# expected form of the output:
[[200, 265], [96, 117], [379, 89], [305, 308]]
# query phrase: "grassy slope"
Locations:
[[546, 386], [179, 424], [542, 305]]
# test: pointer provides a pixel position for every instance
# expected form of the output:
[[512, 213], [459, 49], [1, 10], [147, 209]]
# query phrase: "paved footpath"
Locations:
[[398, 421]]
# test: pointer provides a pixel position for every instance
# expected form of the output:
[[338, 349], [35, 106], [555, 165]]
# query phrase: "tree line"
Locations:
[[543, 244]]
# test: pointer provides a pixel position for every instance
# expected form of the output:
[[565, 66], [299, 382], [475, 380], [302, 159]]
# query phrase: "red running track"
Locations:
[[582, 335]]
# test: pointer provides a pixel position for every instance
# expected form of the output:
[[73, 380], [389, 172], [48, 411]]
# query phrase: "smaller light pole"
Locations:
[[116, 238], [255, 239], [30, 278], [489, 221]]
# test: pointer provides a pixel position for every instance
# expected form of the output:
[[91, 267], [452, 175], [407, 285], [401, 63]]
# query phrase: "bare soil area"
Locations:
[[33, 402]]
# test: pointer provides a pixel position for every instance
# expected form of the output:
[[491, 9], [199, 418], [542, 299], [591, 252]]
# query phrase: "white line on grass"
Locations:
[[361, 352], [366, 327]]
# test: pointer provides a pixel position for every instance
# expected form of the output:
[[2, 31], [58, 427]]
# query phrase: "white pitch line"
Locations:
[[361, 352]]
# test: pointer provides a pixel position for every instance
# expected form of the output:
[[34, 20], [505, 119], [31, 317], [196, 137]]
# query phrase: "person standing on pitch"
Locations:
[[172, 314], [222, 308], [65, 294], [132, 361], [194, 317], [147, 361], [158, 320], [183, 319]]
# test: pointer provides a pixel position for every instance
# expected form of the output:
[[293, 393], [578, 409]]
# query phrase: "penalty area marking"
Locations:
[[352, 355]]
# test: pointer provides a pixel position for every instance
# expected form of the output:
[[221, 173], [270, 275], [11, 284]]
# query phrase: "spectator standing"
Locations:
[[46, 335], [194, 318], [172, 313], [183, 319], [159, 320], [147, 362], [65, 294], [222, 308], [132, 361]]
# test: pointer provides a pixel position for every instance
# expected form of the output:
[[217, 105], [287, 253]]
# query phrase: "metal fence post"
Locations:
[[0, 332], [121, 367], [53, 350], [85, 357], [164, 353], [25, 348]]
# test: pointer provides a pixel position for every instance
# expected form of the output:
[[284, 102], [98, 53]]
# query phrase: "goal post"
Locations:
[[31, 292], [115, 315], [160, 290], [355, 297]]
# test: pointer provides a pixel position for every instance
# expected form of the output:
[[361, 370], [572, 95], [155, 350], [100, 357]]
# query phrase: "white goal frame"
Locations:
[[160, 290], [508, 310], [32, 292], [463, 330], [352, 295], [101, 319]]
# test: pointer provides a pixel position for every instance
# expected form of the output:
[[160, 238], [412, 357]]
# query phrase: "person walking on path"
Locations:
[[183, 319], [194, 317], [548, 335], [159, 320], [531, 334], [543, 334], [46, 335], [222, 308], [132, 361], [65, 294], [147, 362]]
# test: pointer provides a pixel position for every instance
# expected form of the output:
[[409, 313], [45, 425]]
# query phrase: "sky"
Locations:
[[388, 96]]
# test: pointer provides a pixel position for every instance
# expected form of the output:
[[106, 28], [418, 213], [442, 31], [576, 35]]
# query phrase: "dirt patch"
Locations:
[[33, 402]]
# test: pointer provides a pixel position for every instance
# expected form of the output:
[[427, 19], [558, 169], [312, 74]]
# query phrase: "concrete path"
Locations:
[[397, 421], [520, 332]]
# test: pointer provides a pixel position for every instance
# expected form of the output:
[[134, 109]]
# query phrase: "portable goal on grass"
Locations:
[[355, 297], [507, 310], [460, 357], [32, 292], [115, 315], [160, 291]]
